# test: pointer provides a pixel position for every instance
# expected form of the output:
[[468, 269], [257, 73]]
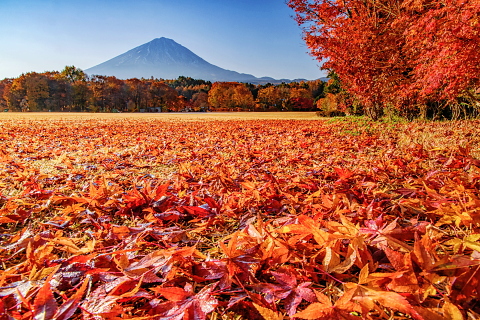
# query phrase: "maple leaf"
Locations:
[[211, 270], [174, 294], [20, 241], [324, 309], [466, 285], [100, 303], [45, 305], [381, 234], [238, 261], [308, 227], [451, 311], [367, 297], [19, 289], [197, 211], [423, 252], [70, 275], [343, 173], [268, 314], [120, 286], [332, 261], [288, 290], [183, 303], [68, 308]]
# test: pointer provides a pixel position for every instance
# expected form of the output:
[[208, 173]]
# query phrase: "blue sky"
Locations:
[[258, 37]]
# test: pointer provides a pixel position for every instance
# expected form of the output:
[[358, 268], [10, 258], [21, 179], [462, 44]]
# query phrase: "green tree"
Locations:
[[77, 88], [73, 74]]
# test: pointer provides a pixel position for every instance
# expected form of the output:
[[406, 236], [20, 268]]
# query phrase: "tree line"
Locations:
[[73, 90]]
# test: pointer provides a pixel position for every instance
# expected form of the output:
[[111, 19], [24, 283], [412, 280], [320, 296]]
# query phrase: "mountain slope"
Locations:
[[166, 59]]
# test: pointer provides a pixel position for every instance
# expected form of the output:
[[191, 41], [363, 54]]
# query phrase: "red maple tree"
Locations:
[[395, 53]]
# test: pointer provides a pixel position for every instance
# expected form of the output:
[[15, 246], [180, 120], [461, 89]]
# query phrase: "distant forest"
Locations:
[[72, 90]]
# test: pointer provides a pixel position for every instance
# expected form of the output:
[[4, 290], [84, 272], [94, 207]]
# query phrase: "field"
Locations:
[[238, 216], [192, 116]]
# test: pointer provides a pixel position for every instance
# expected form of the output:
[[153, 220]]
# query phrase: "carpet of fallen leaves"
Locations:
[[257, 219]]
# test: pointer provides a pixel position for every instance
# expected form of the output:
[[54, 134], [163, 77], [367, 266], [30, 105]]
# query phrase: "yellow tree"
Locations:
[[270, 98], [243, 98], [15, 93]]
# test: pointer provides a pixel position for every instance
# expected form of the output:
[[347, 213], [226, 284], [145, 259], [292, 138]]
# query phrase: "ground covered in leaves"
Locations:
[[239, 219]]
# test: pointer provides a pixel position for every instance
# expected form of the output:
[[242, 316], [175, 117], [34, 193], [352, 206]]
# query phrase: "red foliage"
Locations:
[[443, 41], [119, 219], [302, 104], [402, 53]]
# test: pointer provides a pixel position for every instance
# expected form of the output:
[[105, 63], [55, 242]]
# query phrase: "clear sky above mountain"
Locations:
[[258, 37]]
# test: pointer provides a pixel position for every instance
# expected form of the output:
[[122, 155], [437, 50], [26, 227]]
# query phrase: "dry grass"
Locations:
[[443, 136], [159, 116]]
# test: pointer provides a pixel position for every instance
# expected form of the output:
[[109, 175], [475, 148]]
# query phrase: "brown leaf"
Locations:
[[451, 311]]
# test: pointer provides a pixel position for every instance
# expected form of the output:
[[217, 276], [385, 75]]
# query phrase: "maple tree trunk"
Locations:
[[423, 111], [374, 112], [456, 111]]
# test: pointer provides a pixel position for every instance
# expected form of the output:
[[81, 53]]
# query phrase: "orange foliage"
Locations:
[[137, 219], [230, 96]]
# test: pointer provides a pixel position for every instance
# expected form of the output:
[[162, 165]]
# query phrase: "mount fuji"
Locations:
[[164, 58]]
